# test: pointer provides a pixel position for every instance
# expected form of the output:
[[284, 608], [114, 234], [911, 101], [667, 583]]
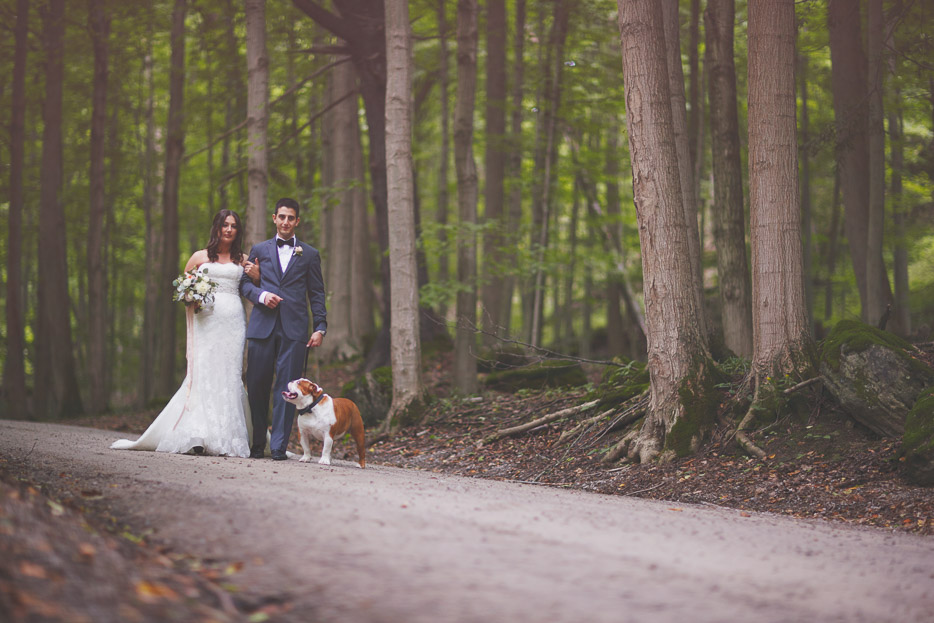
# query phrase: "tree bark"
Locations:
[[55, 362], [694, 95], [494, 255], [678, 358], [174, 148], [441, 213], [806, 220], [406, 346], [900, 211], [465, 362], [99, 27], [781, 338], [343, 127], [14, 371], [257, 120], [683, 147], [728, 214], [851, 112]]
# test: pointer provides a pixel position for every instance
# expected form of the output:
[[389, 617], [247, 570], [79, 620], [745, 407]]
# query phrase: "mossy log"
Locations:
[[918, 442], [874, 375], [551, 373]]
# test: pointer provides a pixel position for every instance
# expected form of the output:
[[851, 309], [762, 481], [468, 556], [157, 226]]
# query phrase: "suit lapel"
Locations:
[[274, 252]]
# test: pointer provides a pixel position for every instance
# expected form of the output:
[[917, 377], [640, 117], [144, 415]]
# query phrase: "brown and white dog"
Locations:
[[324, 418]]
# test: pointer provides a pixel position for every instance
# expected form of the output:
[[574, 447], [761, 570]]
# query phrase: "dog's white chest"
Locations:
[[318, 421]]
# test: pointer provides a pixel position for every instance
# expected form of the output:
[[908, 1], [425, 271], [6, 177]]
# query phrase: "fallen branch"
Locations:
[[584, 425], [515, 430], [802, 385]]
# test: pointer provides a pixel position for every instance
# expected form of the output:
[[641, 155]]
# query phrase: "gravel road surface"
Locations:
[[391, 545]]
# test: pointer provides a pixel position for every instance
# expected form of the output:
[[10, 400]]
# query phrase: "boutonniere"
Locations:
[[297, 251]]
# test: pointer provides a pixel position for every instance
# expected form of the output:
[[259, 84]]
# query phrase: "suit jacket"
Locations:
[[299, 286]]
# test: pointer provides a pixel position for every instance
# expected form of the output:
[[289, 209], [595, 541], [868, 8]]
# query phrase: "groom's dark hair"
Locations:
[[286, 202]]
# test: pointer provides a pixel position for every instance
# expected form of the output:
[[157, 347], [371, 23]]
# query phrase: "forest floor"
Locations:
[[820, 465]]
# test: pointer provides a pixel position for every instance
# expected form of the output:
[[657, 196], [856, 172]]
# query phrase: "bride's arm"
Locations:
[[197, 259]]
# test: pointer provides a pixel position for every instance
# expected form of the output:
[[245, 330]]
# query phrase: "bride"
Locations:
[[209, 413]]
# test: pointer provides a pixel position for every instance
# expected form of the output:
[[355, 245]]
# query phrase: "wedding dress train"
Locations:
[[210, 410]]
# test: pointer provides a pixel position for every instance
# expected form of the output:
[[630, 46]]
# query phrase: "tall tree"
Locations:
[[495, 167], [14, 371], [729, 221], [441, 213], [406, 347], [900, 211], [465, 363], [878, 294], [55, 361], [683, 147], [361, 287], [257, 62], [678, 359], [174, 148], [99, 28], [343, 128], [806, 216], [851, 112], [782, 342]]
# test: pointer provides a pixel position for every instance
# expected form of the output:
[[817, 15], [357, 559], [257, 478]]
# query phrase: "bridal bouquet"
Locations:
[[195, 288]]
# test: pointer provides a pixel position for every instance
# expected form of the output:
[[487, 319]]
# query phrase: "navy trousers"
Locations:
[[273, 358]]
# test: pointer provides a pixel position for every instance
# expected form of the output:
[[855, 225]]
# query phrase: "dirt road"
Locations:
[[385, 544]]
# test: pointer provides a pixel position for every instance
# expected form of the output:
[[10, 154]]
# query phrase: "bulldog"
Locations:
[[324, 418]]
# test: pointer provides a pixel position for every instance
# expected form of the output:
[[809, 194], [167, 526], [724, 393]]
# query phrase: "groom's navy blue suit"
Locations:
[[278, 337]]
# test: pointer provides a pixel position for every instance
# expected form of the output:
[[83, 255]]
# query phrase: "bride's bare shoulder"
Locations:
[[197, 258]]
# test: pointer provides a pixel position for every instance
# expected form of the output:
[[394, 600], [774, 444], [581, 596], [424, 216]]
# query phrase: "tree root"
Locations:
[[741, 438], [515, 430]]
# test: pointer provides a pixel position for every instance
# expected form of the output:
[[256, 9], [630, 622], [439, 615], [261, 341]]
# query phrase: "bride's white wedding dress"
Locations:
[[210, 409]]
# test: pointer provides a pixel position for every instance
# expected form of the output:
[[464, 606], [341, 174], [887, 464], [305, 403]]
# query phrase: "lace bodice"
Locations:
[[226, 275]]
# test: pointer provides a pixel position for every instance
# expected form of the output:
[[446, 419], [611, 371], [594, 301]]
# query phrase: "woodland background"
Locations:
[[127, 125]]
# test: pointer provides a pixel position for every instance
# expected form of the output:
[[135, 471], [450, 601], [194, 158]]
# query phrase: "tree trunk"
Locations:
[[406, 347], [55, 362], [678, 358], [694, 95], [343, 126], [153, 245], [361, 272], [851, 111], [728, 214], [441, 213], [683, 147], [99, 27], [900, 212], [616, 336], [465, 362], [174, 147], [494, 255], [257, 120], [780, 328], [14, 371], [806, 222], [514, 162]]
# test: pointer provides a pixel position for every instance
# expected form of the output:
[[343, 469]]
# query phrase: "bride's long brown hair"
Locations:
[[236, 253]]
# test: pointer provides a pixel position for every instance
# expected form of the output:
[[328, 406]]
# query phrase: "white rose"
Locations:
[[203, 287]]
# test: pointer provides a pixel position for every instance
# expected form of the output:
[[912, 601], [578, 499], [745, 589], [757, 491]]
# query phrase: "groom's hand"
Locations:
[[273, 300], [316, 338]]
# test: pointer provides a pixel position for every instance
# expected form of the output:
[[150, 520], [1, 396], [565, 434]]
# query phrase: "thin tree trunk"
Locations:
[[55, 362], [361, 289], [695, 91], [14, 371], [802, 65], [833, 240], [781, 338], [899, 212], [152, 266], [404, 335], [465, 362], [514, 162], [99, 27], [174, 148], [616, 336], [257, 120], [683, 147], [678, 357], [729, 220], [441, 214], [494, 256], [343, 126]]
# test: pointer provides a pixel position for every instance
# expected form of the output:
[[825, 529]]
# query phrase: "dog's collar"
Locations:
[[311, 406]]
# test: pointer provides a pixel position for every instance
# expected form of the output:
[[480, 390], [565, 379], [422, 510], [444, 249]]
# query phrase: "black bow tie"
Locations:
[[290, 242]]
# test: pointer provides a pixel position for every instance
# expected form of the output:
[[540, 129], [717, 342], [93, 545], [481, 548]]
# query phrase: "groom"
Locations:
[[289, 280]]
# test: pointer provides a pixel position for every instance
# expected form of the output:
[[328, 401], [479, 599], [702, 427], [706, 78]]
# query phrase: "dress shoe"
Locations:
[[278, 455], [256, 454]]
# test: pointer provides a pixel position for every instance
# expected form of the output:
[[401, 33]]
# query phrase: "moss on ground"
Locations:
[[919, 426], [858, 336]]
